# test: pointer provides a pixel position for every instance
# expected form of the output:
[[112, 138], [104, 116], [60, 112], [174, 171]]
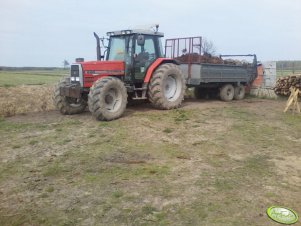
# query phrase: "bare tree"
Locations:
[[208, 47]]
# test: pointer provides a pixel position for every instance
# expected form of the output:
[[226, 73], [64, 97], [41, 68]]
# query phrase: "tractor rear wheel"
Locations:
[[67, 105], [167, 86], [227, 92], [107, 99], [239, 92]]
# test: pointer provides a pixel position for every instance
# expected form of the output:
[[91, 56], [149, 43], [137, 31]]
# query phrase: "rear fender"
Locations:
[[155, 65]]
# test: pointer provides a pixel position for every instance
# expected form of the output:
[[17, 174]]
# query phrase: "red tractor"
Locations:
[[134, 69]]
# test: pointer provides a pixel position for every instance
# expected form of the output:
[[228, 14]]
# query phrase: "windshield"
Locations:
[[117, 48]]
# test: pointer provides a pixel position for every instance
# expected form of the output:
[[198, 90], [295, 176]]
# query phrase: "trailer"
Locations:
[[211, 76]]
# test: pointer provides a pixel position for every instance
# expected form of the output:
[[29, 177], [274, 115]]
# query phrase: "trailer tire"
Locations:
[[167, 87], [200, 93], [107, 99], [239, 92], [67, 105], [227, 92]]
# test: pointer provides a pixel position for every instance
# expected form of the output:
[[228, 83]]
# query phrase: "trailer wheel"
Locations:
[[239, 92], [167, 86], [200, 93], [227, 92], [107, 99], [67, 105]]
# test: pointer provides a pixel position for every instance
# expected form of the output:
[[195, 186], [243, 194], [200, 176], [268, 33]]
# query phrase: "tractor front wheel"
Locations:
[[166, 87], [107, 99], [67, 105]]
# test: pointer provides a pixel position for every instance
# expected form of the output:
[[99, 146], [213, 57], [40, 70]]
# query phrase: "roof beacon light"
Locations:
[[110, 33], [126, 32]]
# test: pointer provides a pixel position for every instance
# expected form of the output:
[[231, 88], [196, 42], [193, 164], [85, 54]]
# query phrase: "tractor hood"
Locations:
[[102, 67], [94, 70]]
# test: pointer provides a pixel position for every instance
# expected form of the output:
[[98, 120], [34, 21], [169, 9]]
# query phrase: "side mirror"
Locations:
[[140, 40]]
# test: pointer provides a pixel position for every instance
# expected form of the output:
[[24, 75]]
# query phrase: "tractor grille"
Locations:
[[74, 77], [74, 71]]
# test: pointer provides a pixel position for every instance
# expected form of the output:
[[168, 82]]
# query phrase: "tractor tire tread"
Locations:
[[97, 94], [156, 87], [61, 102]]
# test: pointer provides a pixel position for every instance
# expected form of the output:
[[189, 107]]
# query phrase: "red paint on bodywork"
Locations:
[[154, 66], [94, 70]]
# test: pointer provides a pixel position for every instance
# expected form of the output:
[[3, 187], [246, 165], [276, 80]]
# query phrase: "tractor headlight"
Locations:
[[74, 79]]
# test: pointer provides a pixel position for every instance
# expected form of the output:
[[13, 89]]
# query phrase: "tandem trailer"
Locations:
[[211, 76]]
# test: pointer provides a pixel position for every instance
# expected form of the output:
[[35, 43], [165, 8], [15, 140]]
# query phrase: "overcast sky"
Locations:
[[45, 32]]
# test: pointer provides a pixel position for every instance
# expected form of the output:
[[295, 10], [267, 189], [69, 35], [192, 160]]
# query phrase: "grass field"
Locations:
[[32, 77], [208, 163], [282, 73]]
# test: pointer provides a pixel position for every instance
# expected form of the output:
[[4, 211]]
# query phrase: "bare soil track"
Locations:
[[207, 163]]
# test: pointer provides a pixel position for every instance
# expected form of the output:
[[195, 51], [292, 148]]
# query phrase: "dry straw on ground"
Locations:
[[26, 98]]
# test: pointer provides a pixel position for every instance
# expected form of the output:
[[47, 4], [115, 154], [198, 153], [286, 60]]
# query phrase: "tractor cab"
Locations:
[[138, 49]]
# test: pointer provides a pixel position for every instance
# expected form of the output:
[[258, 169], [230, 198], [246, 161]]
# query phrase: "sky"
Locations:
[[45, 32]]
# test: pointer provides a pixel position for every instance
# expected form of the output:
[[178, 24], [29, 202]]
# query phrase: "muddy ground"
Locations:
[[207, 163]]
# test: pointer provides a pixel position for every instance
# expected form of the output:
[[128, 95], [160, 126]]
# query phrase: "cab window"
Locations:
[[145, 54], [117, 48], [160, 48]]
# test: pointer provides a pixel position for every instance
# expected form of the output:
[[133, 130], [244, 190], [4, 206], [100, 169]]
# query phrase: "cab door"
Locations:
[[144, 55]]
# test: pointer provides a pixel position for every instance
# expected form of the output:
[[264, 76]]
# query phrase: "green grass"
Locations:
[[32, 77], [283, 73]]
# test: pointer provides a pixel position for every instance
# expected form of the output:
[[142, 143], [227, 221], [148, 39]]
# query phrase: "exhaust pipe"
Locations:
[[98, 52]]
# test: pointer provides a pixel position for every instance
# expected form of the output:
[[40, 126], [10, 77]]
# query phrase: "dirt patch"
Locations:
[[289, 167]]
